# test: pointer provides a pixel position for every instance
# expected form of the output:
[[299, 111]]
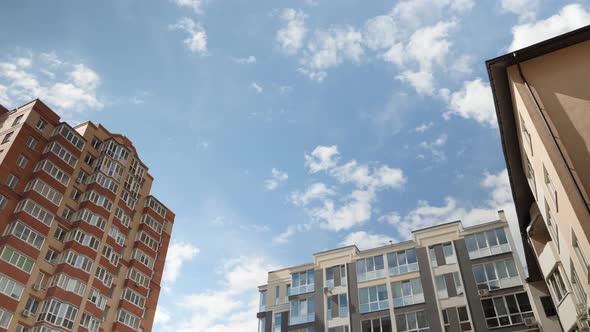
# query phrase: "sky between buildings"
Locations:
[[276, 129]]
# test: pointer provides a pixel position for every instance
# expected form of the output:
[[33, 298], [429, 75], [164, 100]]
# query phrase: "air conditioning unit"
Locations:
[[530, 322], [483, 292], [37, 287], [26, 313]]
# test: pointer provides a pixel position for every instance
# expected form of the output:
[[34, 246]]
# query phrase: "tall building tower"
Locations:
[[447, 278], [83, 242], [542, 101]]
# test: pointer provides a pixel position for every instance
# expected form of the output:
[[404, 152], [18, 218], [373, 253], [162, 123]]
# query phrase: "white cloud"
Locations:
[[322, 158], [196, 42], [71, 88], [525, 9], [380, 32], [429, 45], [364, 240], [192, 4], [332, 47], [395, 54], [424, 127], [178, 254], [473, 101], [422, 81], [463, 65], [229, 306], [355, 210], [246, 60], [436, 147], [162, 315], [415, 13], [257, 87], [315, 191], [569, 18], [292, 34], [313, 75], [277, 178], [289, 232]]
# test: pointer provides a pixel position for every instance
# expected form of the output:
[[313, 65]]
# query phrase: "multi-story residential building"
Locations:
[[542, 102], [83, 242], [447, 278]]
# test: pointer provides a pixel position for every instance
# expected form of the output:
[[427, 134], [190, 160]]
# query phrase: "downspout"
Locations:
[[582, 320]]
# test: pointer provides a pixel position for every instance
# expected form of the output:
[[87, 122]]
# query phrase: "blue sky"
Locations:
[[278, 129]]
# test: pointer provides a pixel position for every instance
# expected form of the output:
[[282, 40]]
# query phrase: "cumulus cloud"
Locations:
[[473, 101], [380, 32], [315, 191], [277, 178], [569, 18], [415, 13], [292, 34], [69, 87], [424, 127], [525, 9], [195, 5], [322, 158], [435, 147], [178, 254], [196, 41], [364, 240], [228, 306]]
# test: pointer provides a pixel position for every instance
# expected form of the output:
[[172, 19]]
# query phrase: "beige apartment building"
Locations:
[[542, 99], [83, 242], [446, 278]]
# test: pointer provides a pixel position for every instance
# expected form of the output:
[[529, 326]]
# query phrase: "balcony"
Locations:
[[295, 320], [542, 243]]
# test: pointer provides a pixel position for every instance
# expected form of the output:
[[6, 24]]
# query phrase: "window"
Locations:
[[578, 288], [116, 151], [449, 253], [530, 175], [487, 243], [143, 258], [71, 136], [68, 284], [148, 220], [32, 305], [31, 143], [109, 253], [45, 190], [21, 328], [59, 234], [552, 225], [382, 324], [51, 256], [446, 323], [55, 172], [99, 300], [580, 254], [88, 159], [526, 135], [10, 287], [343, 306], [302, 311], [25, 233], [370, 268], [21, 161], [458, 283], [3, 201], [495, 275], [41, 124], [277, 298], [116, 234], [149, 241], [104, 276], [76, 260], [17, 259], [7, 137], [123, 217], [262, 306], [373, 298], [550, 186], [83, 238], [133, 297], [407, 292], [302, 282], [557, 285], [277, 323], [35, 210], [402, 262], [128, 319], [82, 177], [61, 152], [261, 325], [412, 322], [91, 323], [441, 287], [95, 143], [97, 199], [18, 120], [433, 259], [91, 218], [67, 213], [11, 181], [288, 293], [507, 310], [140, 279], [329, 282], [152, 203], [58, 313], [464, 321], [5, 318]]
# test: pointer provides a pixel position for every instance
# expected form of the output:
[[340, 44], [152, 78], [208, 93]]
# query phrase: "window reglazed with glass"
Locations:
[[302, 282], [407, 292], [370, 268], [402, 262], [373, 298], [495, 275], [302, 311], [412, 322], [507, 310], [487, 243]]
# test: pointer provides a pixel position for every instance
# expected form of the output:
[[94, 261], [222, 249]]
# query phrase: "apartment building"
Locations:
[[543, 106], [83, 242], [447, 278]]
